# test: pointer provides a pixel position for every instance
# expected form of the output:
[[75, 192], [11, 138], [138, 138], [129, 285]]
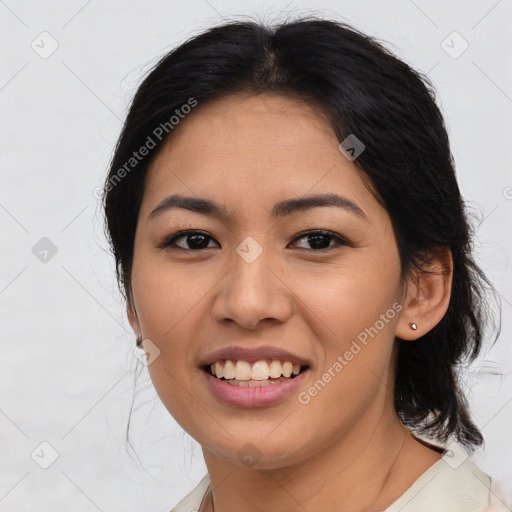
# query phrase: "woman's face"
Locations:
[[249, 280]]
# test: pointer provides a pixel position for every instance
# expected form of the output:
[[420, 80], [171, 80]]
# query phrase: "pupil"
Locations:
[[320, 245], [198, 236]]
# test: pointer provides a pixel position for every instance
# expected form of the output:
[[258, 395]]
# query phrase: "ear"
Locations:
[[132, 317], [427, 296]]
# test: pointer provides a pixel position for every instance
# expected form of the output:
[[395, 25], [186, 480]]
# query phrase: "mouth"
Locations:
[[258, 374], [264, 384]]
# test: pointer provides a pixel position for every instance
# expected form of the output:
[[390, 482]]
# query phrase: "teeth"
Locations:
[[287, 369], [275, 369], [242, 370], [255, 383], [218, 369], [229, 369], [260, 370]]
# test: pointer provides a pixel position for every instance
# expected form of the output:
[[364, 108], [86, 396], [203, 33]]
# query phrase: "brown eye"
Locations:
[[194, 240], [321, 240]]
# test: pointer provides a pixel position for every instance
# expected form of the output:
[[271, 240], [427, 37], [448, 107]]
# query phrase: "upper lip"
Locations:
[[251, 355]]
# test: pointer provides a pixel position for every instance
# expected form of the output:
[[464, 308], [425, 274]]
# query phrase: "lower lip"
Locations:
[[257, 396]]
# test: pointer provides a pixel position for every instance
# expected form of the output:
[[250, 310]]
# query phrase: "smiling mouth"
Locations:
[[249, 382]]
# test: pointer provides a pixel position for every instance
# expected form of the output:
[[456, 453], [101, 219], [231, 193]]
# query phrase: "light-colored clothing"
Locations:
[[447, 486]]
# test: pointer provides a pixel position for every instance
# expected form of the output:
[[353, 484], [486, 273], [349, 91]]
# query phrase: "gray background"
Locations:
[[67, 364]]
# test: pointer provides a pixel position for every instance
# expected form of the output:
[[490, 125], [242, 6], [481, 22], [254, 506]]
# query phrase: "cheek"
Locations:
[[356, 370], [165, 297], [167, 306], [355, 313], [173, 387], [352, 295]]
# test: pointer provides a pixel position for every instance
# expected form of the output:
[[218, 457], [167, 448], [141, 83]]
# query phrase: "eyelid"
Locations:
[[340, 240], [168, 241]]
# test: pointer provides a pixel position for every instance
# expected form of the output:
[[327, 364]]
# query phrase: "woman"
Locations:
[[295, 255]]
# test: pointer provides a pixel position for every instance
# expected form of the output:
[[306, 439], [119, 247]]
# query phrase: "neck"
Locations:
[[363, 470]]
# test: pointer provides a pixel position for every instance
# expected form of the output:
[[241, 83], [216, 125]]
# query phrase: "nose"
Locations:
[[253, 291]]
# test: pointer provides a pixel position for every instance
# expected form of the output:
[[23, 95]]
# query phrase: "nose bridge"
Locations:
[[250, 265], [252, 291]]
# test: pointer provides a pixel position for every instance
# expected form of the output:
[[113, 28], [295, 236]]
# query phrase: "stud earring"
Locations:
[[413, 326]]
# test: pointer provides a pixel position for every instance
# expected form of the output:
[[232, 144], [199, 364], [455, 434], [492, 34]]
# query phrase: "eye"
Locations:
[[197, 240], [320, 240]]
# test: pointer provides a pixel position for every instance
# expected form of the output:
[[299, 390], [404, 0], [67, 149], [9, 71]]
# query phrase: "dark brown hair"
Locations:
[[363, 89]]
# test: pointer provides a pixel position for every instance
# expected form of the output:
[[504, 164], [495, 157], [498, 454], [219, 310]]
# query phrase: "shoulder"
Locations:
[[454, 484], [191, 502], [450, 485]]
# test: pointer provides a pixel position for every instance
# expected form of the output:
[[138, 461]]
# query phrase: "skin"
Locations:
[[346, 449]]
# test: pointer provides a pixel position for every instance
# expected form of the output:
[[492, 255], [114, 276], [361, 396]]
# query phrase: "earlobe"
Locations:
[[427, 298], [133, 319]]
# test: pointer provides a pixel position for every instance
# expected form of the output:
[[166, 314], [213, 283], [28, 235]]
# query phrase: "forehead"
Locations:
[[262, 147], [233, 126]]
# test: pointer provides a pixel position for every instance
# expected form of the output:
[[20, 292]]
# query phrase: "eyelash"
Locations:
[[168, 242]]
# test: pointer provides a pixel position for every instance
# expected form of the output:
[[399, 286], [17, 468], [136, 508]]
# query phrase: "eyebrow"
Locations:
[[279, 210]]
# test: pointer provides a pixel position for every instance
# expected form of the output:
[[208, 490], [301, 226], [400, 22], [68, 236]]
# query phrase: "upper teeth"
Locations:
[[260, 370]]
